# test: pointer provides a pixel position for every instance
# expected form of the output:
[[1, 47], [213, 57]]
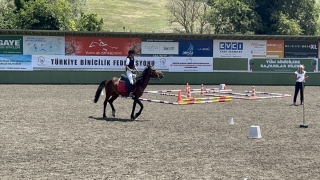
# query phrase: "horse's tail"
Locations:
[[100, 88]]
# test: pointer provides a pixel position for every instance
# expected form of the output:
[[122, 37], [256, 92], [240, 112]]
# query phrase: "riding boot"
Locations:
[[131, 93]]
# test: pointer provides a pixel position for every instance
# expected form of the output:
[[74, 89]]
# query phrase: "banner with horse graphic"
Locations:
[[101, 46]]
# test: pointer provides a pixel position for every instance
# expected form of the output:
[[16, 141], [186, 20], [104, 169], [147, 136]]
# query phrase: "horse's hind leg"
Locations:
[[114, 97]]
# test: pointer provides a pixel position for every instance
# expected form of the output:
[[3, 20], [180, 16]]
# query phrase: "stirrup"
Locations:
[[131, 95]]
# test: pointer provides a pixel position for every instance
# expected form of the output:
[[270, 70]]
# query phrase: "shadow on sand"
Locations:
[[115, 119]]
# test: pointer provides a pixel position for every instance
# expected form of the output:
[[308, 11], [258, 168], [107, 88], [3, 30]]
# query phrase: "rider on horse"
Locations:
[[130, 66]]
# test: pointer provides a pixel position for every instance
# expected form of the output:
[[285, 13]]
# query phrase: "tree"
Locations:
[[40, 15], [48, 15], [89, 22], [190, 14], [233, 16], [288, 16], [8, 18]]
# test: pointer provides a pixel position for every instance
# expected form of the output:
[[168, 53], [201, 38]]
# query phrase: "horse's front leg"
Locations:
[[114, 97], [133, 108], [141, 108]]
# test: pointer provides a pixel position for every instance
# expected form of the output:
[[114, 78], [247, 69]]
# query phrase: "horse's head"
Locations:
[[153, 73]]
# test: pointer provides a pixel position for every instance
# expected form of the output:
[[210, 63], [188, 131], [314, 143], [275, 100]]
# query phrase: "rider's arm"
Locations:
[[127, 63]]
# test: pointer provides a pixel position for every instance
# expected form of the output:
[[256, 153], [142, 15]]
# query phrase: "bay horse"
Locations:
[[115, 87]]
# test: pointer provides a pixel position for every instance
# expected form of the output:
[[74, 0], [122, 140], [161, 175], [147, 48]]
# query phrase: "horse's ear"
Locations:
[[149, 66]]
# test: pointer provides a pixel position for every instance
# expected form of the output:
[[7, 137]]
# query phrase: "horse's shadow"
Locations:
[[111, 119]]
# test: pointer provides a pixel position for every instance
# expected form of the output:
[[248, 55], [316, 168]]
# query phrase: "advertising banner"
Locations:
[[195, 48], [100, 46], [191, 64], [115, 63], [300, 49], [275, 48], [240, 48], [43, 45], [154, 47], [282, 65], [15, 62], [11, 45]]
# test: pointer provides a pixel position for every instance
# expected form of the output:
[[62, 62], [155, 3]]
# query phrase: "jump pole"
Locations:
[[239, 94], [244, 98], [182, 90], [268, 93], [185, 103], [303, 125], [167, 94], [207, 98]]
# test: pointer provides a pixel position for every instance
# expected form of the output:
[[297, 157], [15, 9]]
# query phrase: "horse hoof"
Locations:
[[113, 114]]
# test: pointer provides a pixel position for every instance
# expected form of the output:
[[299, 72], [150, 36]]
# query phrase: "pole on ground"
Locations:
[[303, 125]]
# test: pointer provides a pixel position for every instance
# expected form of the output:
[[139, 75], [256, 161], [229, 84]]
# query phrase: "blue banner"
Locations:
[[14, 62], [196, 48]]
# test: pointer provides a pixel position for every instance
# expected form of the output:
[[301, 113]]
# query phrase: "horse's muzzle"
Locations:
[[161, 76]]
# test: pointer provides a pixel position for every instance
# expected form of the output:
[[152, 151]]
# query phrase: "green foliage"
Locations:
[[286, 17], [89, 22], [8, 18], [291, 17], [48, 15], [233, 17], [41, 15]]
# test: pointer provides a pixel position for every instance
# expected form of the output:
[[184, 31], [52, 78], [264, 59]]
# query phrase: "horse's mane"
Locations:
[[142, 76]]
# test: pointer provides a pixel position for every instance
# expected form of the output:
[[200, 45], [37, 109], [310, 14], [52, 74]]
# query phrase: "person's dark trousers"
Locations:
[[298, 88]]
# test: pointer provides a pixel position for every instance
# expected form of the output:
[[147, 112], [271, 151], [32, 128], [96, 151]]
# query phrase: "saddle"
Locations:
[[124, 85]]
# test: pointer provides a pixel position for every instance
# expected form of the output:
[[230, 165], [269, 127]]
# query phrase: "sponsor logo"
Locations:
[[234, 46], [166, 48], [309, 46], [275, 45], [10, 44], [151, 48]]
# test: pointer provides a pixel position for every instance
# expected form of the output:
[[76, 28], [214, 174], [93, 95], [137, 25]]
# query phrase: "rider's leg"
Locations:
[[129, 74]]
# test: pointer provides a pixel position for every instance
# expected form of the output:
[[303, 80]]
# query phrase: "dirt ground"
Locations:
[[57, 132]]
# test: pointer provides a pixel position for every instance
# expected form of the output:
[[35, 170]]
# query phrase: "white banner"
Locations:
[[160, 48], [191, 64], [240, 48], [43, 45], [116, 63]]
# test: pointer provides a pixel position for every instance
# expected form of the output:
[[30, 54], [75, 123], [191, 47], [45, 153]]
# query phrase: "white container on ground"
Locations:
[[222, 87], [254, 132]]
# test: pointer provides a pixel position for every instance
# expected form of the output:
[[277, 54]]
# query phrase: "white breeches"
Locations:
[[129, 74]]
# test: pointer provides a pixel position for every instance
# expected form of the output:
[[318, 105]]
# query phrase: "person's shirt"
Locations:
[[130, 62], [302, 76]]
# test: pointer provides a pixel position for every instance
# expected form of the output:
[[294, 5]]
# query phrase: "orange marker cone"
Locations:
[[253, 92], [187, 89], [179, 99], [202, 90]]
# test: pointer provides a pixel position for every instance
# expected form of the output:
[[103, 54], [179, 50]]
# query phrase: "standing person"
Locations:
[[300, 77], [130, 66]]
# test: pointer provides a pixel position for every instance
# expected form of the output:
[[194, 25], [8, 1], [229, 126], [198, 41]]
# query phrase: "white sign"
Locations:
[[191, 64], [43, 45], [160, 48], [239, 49], [116, 63]]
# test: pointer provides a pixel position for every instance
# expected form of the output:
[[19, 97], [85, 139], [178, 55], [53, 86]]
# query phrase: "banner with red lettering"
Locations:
[[101, 46]]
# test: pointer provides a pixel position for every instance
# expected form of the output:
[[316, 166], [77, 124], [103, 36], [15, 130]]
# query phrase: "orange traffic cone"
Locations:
[[179, 99], [202, 90], [253, 92]]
